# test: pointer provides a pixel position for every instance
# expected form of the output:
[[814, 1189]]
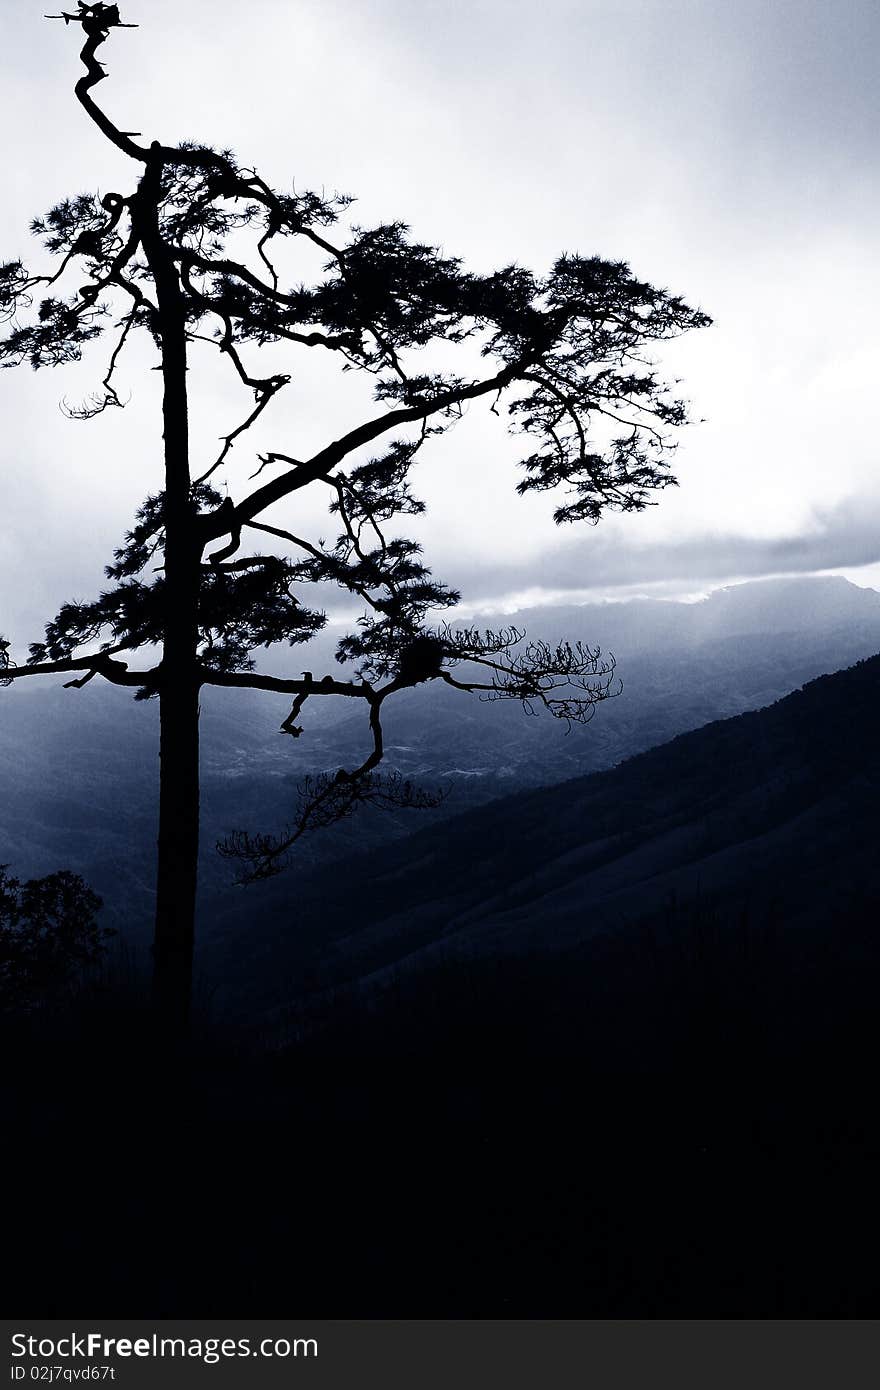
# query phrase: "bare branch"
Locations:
[[264, 395], [101, 664], [568, 680], [324, 800], [110, 398], [253, 680], [96, 21]]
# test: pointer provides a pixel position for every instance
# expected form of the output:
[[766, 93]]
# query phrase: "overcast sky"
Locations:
[[727, 151]]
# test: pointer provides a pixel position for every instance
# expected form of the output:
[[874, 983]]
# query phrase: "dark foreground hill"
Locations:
[[774, 813], [605, 1049]]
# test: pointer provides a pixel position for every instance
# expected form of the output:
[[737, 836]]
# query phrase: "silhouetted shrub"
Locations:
[[49, 933]]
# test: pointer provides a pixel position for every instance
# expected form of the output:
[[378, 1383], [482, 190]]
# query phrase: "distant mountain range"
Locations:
[[78, 769], [682, 665], [773, 816]]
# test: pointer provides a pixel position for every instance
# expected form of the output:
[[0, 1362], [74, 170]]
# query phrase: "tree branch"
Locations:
[[101, 664], [98, 405], [253, 680], [321, 463], [90, 19]]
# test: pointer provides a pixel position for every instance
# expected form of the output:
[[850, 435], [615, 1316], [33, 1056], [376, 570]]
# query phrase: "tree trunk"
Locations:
[[178, 843]]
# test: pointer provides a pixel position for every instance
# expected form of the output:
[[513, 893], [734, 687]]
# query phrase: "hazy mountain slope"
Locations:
[[78, 769], [776, 809]]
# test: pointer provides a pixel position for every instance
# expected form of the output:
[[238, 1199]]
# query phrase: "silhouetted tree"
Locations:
[[565, 352]]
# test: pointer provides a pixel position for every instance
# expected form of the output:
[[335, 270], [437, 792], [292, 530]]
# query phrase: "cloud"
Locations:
[[844, 537]]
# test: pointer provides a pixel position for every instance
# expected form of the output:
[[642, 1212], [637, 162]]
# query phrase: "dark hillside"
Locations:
[[600, 1050], [779, 807]]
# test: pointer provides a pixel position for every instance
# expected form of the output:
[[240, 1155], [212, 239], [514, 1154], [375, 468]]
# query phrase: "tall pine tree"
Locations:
[[188, 254]]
